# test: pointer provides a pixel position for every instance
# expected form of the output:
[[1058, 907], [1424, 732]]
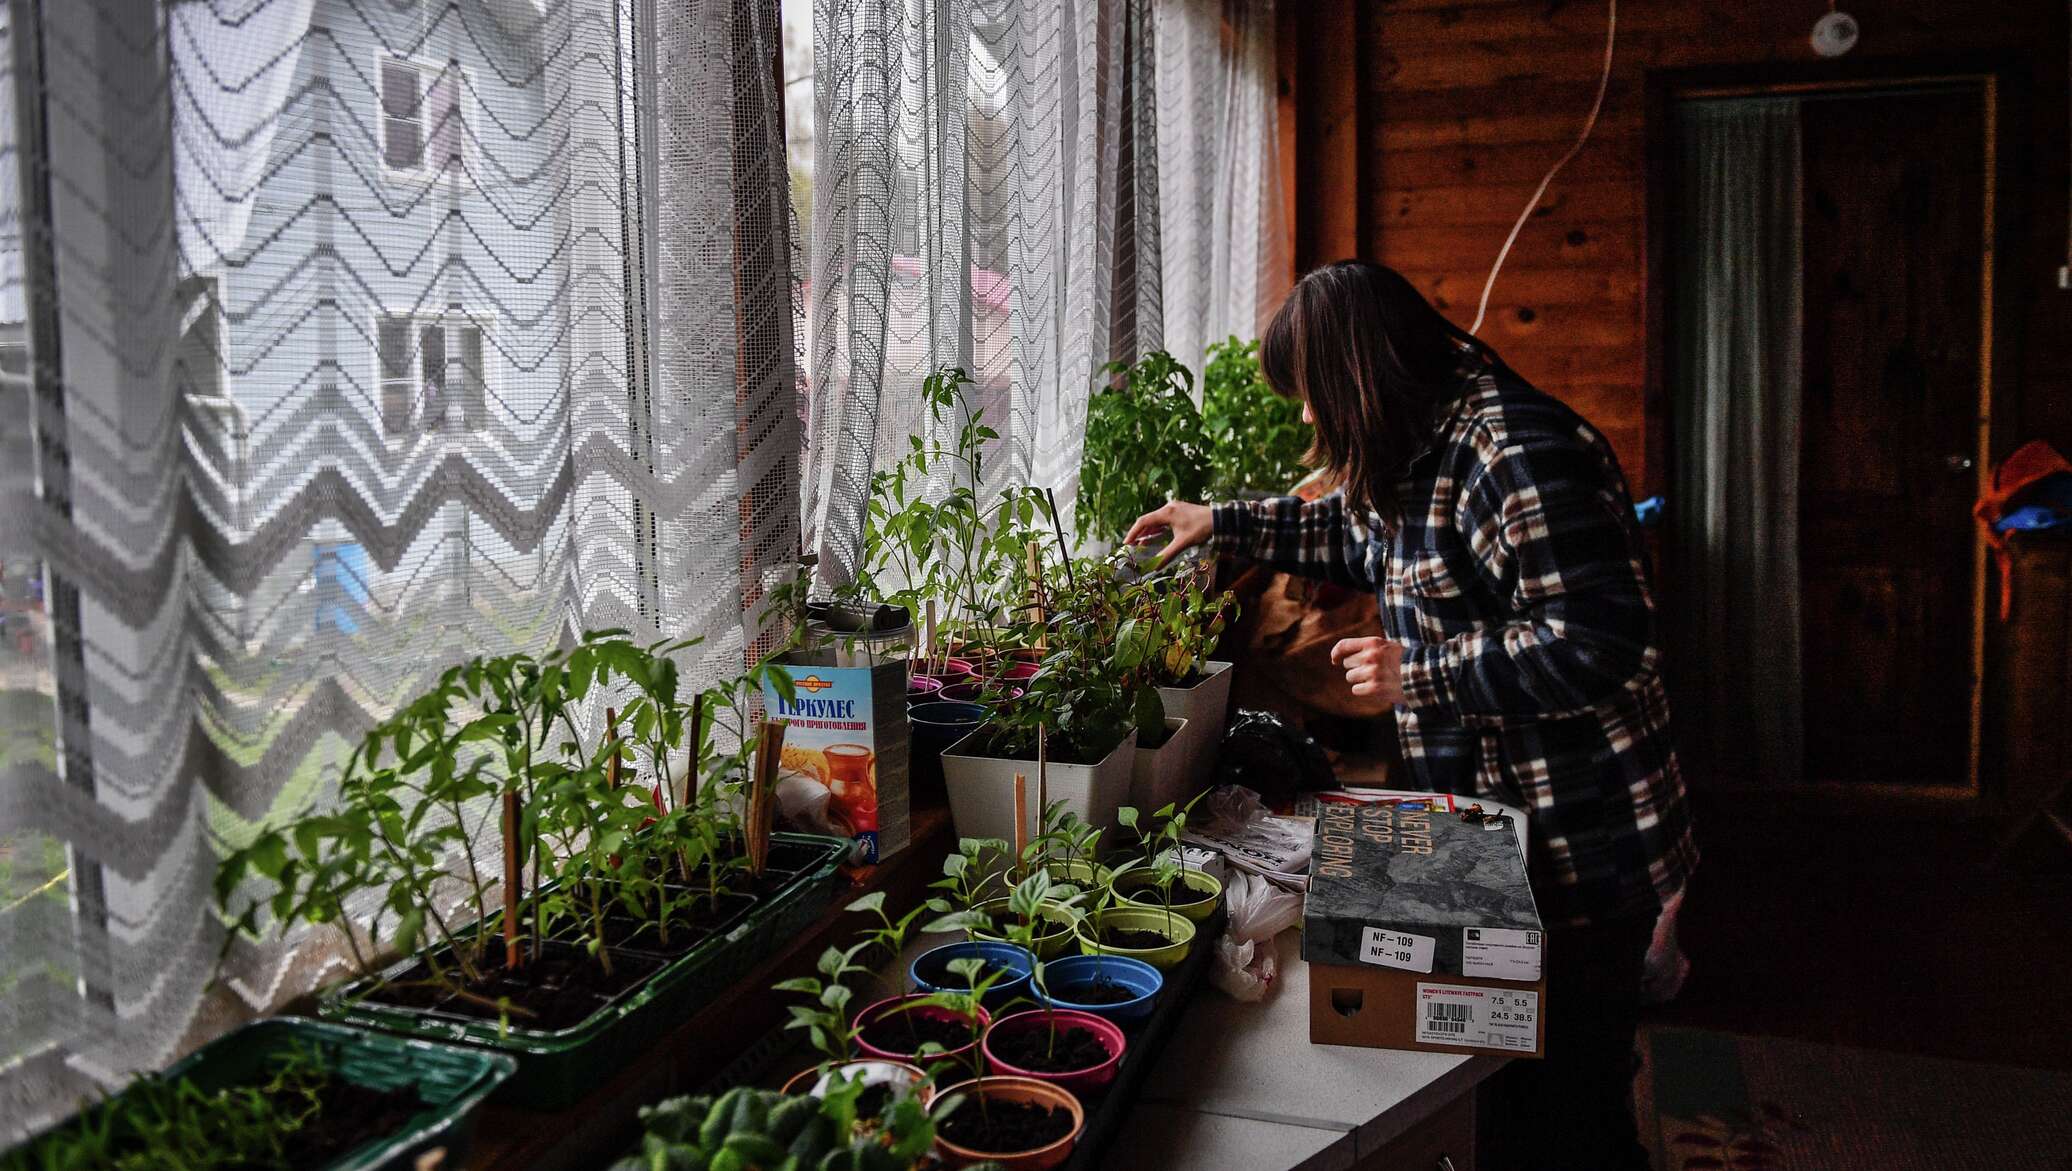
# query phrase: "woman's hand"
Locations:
[[1188, 525], [1374, 666]]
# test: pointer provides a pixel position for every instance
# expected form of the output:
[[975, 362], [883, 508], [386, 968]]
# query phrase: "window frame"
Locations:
[[427, 72], [449, 321]]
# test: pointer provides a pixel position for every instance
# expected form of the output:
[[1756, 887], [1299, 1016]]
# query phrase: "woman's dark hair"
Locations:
[[1379, 368]]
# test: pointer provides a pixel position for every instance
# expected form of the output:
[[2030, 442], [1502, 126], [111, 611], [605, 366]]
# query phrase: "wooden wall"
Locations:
[[1453, 109]]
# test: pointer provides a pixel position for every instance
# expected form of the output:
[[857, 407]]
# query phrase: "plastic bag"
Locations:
[[1262, 752], [1244, 965]]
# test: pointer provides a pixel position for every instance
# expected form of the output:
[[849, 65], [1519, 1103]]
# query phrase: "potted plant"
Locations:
[[547, 891], [1076, 1050], [1158, 775], [1256, 439], [851, 1123], [1080, 713], [1019, 1123], [1143, 446], [921, 1028], [1159, 876], [281, 1093], [1190, 615], [1113, 987]]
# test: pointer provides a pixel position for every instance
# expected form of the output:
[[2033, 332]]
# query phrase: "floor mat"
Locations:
[[1712, 1101]]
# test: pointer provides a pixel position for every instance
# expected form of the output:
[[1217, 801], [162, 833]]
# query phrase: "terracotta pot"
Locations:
[[1014, 1089], [1080, 1081]]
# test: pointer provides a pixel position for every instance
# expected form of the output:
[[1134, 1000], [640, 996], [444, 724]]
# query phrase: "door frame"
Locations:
[[1998, 79]]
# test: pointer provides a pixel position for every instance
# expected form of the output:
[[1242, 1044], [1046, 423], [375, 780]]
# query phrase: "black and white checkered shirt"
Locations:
[[1531, 664]]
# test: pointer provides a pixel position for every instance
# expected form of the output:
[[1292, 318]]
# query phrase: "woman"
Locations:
[[1495, 527]]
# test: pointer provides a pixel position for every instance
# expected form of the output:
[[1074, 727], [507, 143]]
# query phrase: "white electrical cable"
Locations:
[[1604, 80]]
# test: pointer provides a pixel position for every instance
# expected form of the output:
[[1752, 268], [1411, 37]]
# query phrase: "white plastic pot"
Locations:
[[982, 789], [1205, 706], [1160, 775]]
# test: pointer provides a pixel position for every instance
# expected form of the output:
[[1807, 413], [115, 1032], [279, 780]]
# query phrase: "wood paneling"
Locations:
[[1465, 103]]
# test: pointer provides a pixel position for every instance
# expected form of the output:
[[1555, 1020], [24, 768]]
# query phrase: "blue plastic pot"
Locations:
[[930, 971], [937, 724], [1063, 977]]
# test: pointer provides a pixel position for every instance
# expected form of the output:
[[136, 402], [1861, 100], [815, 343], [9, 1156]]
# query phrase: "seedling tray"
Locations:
[[1107, 1114], [557, 1068], [452, 1081]]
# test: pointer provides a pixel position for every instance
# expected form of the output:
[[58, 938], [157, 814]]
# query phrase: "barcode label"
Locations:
[[1478, 1017], [1446, 1018]]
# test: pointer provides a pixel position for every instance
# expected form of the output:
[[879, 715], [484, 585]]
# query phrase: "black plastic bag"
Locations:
[[1262, 752]]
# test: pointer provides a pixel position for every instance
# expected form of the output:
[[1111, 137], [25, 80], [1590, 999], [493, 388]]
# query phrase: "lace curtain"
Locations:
[[1222, 225], [984, 195], [341, 340], [1028, 189]]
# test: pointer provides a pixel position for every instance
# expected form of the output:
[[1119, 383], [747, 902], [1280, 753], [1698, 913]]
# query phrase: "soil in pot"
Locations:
[[1071, 1049], [1133, 939], [906, 1032], [557, 989], [1097, 992], [1004, 1127], [347, 1117], [351, 1115], [874, 1098]]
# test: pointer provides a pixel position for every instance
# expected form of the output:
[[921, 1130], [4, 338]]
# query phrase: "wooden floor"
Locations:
[[1886, 933]]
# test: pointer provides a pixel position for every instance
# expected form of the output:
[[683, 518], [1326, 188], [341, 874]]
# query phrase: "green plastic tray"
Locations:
[[557, 1068], [452, 1080]]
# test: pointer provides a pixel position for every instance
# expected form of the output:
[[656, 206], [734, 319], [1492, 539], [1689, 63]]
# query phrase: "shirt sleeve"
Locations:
[[1284, 534], [1545, 516]]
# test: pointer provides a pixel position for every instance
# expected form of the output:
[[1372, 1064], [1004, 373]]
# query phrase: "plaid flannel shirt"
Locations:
[[1530, 668]]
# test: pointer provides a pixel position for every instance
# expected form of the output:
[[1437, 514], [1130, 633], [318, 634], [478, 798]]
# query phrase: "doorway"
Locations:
[[1826, 374]]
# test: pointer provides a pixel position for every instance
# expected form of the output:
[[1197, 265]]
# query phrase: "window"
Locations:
[[432, 374], [423, 126]]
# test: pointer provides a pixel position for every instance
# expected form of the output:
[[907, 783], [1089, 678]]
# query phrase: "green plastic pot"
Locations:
[[1177, 928], [452, 1081], [1087, 876], [1057, 940], [558, 1068], [1202, 891]]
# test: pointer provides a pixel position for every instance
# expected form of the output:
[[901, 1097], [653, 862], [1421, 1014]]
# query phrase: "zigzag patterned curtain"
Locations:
[[985, 196], [341, 340]]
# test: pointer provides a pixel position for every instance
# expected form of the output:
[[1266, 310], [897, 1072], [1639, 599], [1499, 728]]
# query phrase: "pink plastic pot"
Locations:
[[921, 688], [980, 693], [1079, 1081], [925, 1011], [1018, 672]]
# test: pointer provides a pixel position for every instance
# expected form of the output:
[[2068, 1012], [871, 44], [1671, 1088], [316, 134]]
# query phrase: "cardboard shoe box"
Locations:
[[1420, 932]]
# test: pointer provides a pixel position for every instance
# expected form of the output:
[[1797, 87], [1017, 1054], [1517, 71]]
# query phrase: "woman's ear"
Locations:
[[1308, 416]]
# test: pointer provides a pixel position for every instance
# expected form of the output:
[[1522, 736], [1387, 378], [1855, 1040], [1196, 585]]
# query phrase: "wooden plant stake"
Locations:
[[928, 642], [1021, 816], [761, 794], [514, 877]]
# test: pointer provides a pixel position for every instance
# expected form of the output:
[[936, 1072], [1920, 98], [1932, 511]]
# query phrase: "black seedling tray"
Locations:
[[1107, 1114]]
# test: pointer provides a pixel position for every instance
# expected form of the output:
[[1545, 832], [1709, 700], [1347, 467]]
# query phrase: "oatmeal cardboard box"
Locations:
[[845, 752], [1421, 931]]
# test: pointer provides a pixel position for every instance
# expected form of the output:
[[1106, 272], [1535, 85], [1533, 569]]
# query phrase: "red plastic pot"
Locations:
[[924, 1011], [1080, 1081], [1017, 672], [945, 671]]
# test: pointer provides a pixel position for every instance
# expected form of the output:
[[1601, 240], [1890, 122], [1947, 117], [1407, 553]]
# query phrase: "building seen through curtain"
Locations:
[[478, 341]]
